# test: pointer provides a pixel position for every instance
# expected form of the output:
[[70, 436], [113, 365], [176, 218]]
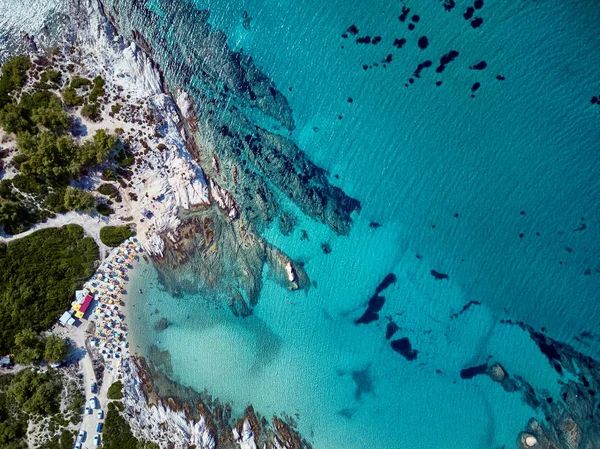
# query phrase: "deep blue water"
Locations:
[[498, 190]]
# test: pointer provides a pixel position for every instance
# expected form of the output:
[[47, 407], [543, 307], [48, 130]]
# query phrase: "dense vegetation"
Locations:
[[117, 432], [24, 395], [115, 235], [39, 276], [49, 159], [32, 395]]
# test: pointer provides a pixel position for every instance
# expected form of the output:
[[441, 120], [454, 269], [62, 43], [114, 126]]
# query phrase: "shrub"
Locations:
[[91, 111], [115, 391], [117, 431], [77, 199], [108, 189], [51, 76], [70, 97], [98, 89], [104, 209], [56, 349], [116, 108], [115, 235], [79, 81]]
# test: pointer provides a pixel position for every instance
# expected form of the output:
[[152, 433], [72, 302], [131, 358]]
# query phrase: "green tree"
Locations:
[[53, 116], [28, 345], [14, 119], [105, 144], [91, 111], [115, 235], [115, 391], [77, 199], [56, 349], [70, 97]]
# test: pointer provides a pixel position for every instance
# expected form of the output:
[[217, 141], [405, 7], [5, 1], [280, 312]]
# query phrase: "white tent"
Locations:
[[67, 319]]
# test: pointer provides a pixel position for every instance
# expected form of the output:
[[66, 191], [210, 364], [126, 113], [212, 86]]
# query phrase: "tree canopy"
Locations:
[[56, 349], [115, 235], [39, 276]]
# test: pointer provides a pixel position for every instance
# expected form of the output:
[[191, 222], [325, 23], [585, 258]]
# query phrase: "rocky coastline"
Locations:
[[572, 420], [227, 161], [174, 416]]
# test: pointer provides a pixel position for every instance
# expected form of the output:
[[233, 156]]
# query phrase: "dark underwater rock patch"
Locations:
[[478, 4], [404, 14], [439, 276], [391, 329], [595, 100], [469, 13], [387, 281], [363, 381], [479, 66], [376, 40], [374, 306], [374, 225], [403, 347], [476, 23], [376, 301], [363, 40], [500, 78], [326, 247], [399, 42], [423, 42], [446, 59], [465, 308], [420, 67], [448, 5], [352, 29], [469, 373]]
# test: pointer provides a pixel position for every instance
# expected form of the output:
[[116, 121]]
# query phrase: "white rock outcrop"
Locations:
[[159, 423]]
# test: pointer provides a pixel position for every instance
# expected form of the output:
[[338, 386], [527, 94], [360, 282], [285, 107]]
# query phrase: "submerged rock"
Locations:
[[402, 346], [161, 324]]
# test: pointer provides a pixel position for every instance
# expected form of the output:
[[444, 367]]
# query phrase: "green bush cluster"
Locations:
[[39, 276], [51, 76], [91, 111], [70, 97], [98, 89], [13, 420], [117, 431], [104, 210], [115, 235], [79, 81], [108, 190], [115, 391], [14, 75], [37, 393]]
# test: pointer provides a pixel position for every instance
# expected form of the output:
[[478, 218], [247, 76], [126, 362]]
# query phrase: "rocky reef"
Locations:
[[235, 123], [234, 114], [572, 420], [162, 411]]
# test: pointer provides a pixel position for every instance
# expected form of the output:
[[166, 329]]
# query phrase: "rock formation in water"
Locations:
[[572, 420], [236, 123], [164, 412]]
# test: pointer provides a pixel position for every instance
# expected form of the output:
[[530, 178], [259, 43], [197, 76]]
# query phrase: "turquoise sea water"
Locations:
[[453, 180]]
